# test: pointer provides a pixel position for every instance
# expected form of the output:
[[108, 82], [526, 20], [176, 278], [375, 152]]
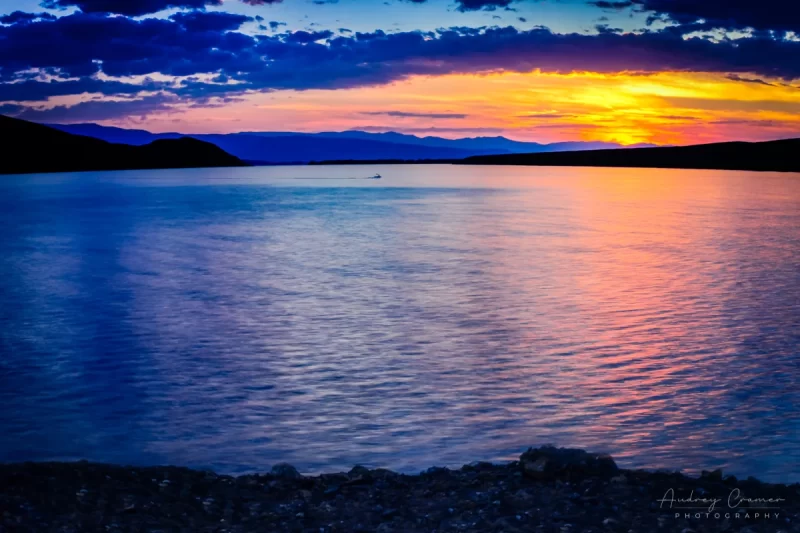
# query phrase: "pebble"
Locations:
[[580, 493], [285, 471]]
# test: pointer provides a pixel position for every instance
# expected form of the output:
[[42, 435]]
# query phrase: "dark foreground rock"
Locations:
[[547, 490]]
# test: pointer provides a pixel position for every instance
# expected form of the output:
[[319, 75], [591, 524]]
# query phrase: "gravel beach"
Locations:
[[546, 490]]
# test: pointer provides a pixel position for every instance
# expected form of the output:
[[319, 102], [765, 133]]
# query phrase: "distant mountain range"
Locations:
[[29, 148], [288, 147], [779, 156]]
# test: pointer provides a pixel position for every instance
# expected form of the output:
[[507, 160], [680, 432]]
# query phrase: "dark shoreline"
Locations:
[[547, 490], [766, 156]]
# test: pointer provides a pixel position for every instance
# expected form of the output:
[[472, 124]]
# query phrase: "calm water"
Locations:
[[232, 319]]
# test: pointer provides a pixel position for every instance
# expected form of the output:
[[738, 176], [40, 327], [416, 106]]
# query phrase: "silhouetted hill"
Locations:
[[29, 147], [781, 156], [288, 147], [115, 135]]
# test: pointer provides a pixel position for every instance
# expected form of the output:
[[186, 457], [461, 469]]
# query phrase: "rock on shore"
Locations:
[[547, 490]]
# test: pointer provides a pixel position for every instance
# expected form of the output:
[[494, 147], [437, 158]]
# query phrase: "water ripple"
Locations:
[[232, 319]]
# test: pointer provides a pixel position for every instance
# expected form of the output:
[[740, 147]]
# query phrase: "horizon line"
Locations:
[[355, 130]]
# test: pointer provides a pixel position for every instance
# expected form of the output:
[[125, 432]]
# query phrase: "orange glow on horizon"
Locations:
[[664, 108]]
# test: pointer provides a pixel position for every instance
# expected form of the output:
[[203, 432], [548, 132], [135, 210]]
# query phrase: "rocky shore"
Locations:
[[546, 490]]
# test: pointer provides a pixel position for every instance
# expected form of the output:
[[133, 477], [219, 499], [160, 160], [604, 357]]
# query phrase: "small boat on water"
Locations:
[[375, 177]]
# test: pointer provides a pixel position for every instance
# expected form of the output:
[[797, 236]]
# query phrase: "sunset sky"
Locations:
[[658, 71]]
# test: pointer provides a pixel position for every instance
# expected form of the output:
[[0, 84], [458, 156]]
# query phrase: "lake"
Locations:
[[235, 318]]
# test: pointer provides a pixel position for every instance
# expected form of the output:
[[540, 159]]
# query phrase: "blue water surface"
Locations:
[[235, 318]]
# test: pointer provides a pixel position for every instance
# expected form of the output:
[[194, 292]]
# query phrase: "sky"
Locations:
[[627, 71]]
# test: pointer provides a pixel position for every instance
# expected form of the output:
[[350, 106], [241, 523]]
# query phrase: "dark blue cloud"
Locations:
[[137, 8], [128, 7], [200, 42], [35, 90], [97, 110], [11, 109], [305, 37], [603, 4], [778, 15], [199, 21], [187, 44], [476, 5], [605, 28], [485, 5], [20, 17], [221, 62]]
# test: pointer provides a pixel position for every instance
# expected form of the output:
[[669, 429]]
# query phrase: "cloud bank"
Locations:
[[208, 57]]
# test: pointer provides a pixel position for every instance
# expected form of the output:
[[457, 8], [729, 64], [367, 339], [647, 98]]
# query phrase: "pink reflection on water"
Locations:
[[443, 314]]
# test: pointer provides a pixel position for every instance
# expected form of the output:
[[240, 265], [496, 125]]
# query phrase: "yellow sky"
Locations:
[[665, 108]]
